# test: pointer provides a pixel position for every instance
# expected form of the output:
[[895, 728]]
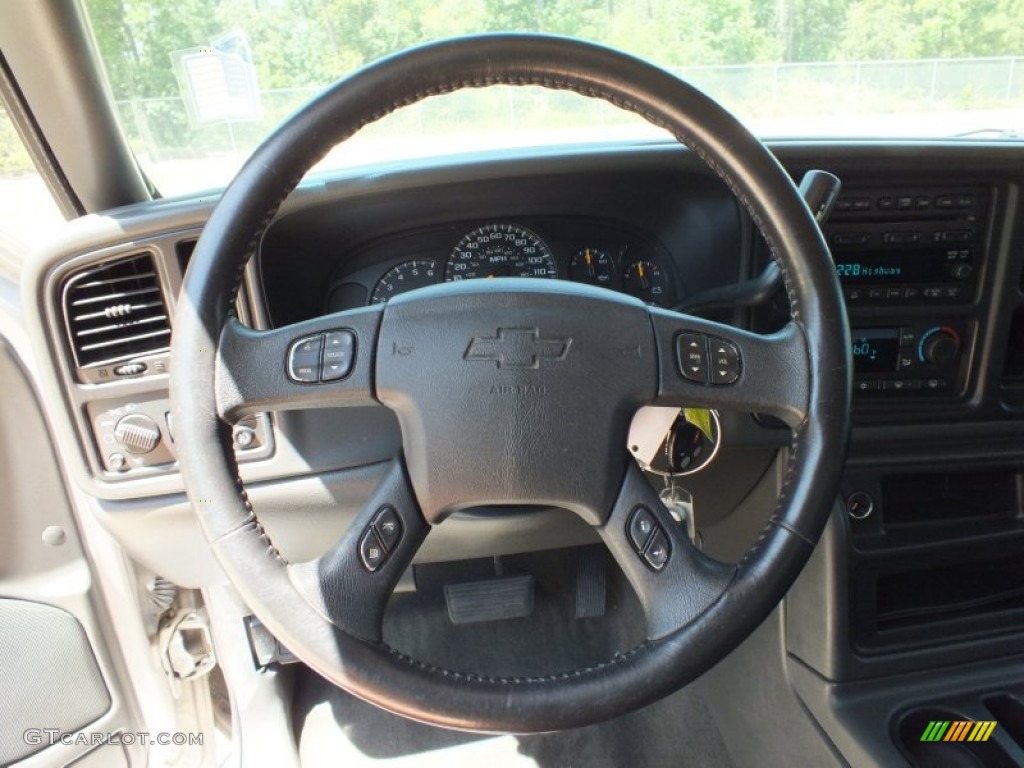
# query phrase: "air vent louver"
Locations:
[[116, 311]]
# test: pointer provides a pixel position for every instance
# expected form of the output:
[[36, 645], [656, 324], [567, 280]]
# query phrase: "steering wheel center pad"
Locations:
[[515, 391]]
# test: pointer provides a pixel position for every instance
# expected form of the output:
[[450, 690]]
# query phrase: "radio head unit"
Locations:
[[916, 247]]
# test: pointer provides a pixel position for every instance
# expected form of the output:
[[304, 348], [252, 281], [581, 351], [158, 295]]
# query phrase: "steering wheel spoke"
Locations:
[[319, 363], [713, 365], [350, 584], [674, 581]]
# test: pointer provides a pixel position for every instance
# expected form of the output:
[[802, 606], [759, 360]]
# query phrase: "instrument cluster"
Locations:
[[588, 251]]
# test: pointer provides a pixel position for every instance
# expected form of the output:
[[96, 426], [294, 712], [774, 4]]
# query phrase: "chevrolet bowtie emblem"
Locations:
[[517, 348]]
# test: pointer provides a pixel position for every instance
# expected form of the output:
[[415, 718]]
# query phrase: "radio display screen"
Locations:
[[875, 350], [919, 265]]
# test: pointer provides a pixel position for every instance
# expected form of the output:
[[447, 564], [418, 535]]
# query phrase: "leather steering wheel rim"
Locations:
[[220, 370]]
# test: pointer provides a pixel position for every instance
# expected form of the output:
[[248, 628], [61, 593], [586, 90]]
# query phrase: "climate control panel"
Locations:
[[926, 358]]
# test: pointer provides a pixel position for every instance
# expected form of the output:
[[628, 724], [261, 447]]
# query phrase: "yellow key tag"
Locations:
[[701, 419]]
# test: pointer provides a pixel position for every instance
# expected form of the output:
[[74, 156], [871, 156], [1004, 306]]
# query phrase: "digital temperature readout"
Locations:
[[875, 349]]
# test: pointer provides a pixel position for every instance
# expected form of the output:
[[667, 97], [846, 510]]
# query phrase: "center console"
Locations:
[[931, 549], [920, 569]]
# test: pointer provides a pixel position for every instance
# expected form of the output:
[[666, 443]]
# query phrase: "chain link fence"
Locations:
[[159, 128]]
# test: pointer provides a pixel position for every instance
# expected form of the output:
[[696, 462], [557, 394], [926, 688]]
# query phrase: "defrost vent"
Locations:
[[116, 311]]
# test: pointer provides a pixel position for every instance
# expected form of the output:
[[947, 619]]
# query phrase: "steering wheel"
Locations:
[[511, 391]]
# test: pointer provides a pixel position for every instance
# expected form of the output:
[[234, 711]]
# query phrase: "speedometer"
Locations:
[[500, 250]]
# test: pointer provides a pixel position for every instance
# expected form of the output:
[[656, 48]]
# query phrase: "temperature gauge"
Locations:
[[645, 280], [590, 265]]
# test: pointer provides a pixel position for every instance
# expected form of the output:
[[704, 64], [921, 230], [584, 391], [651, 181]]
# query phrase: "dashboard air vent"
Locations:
[[116, 311]]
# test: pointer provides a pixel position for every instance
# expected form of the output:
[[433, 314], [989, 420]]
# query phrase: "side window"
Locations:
[[28, 213]]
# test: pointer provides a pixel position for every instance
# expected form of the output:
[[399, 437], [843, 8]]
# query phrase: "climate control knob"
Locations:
[[939, 346], [137, 433]]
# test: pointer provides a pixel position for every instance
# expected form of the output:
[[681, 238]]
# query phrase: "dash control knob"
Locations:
[[938, 346], [137, 433], [961, 270]]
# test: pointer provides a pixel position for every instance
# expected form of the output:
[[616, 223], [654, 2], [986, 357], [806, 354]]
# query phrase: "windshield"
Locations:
[[198, 83]]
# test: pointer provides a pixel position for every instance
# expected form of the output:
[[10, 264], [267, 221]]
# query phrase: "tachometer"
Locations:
[[407, 276], [500, 250]]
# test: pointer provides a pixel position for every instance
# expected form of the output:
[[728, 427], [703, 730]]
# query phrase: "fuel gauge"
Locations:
[[645, 280], [590, 265]]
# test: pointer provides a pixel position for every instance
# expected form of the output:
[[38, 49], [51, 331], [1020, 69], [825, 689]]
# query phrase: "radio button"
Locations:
[[953, 291], [904, 361], [922, 201], [897, 238], [893, 293], [954, 236], [907, 336], [855, 294], [912, 292], [961, 270], [725, 361], [904, 202], [935, 385], [933, 292], [851, 238], [866, 385], [886, 203], [876, 294], [945, 201], [692, 351]]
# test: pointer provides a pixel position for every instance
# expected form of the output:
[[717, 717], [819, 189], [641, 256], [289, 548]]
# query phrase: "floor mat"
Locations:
[[338, 729]]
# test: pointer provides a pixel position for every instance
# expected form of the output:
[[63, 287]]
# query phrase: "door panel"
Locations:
[[59, 697]]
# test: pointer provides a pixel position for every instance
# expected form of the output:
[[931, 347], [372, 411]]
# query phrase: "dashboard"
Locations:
[[928, 266], [929, 261]]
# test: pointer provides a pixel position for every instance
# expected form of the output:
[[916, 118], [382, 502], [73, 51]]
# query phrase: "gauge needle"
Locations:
[[503, 270], [643, 277]]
